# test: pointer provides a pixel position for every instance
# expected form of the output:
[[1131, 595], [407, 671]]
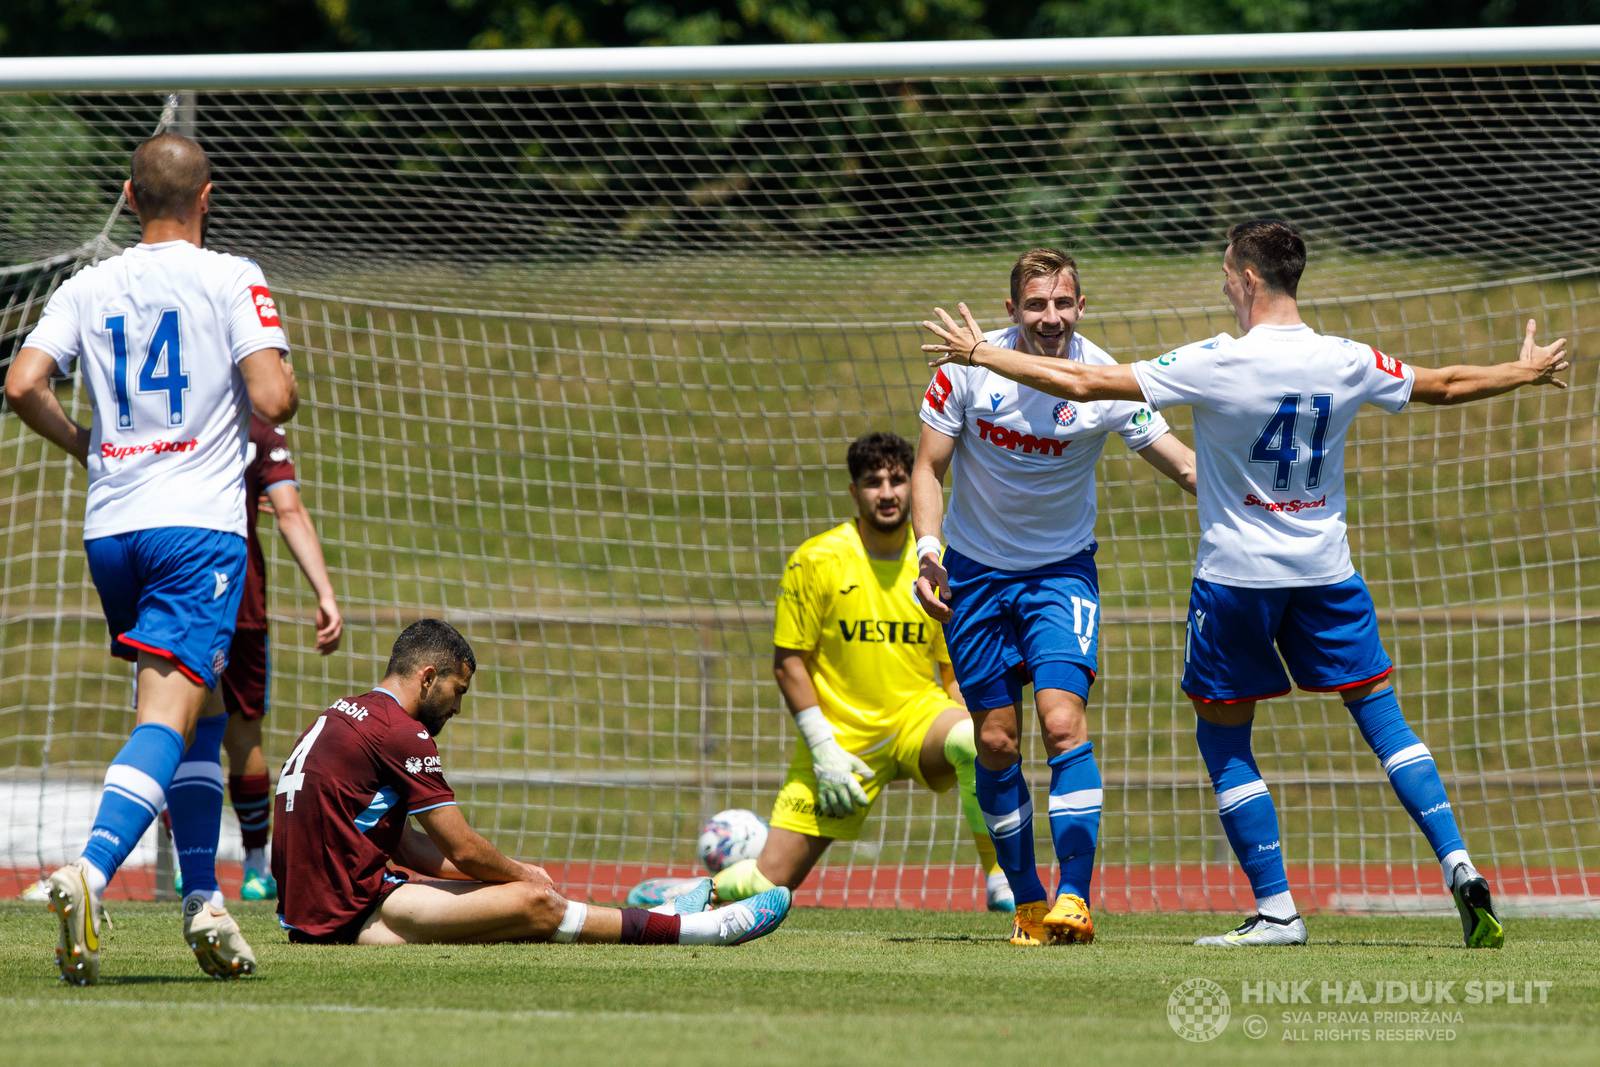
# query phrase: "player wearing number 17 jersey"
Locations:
[[176, 345], [1017, 589], [1273, 577]]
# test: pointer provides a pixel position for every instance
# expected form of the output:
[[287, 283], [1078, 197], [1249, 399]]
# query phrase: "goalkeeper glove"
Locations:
[[838, 791]]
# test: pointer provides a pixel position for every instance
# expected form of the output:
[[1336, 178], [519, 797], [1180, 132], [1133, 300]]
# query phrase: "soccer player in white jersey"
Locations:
[[1273, 575], [177, 345], [1017, 590]]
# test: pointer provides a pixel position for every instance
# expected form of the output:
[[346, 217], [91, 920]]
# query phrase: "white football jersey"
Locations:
[[1271, 411], [159, 330], [1022, 477]]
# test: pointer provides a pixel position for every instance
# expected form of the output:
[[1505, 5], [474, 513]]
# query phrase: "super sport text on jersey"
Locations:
[[1272, 413]]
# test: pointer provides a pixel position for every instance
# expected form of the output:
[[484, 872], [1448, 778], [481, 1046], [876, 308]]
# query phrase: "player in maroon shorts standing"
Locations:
[[269, 472], [340, 834]]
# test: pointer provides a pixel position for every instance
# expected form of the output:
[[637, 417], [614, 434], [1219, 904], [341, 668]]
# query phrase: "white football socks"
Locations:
[[1451, 861], [1277, 906], [715, 927]]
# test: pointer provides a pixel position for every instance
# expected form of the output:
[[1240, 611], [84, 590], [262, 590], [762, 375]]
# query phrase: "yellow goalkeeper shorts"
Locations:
[[894, 753]]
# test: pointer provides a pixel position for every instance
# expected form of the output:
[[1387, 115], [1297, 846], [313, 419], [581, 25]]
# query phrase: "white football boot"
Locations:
[[1260, 930], [215, 939], [79, 915]]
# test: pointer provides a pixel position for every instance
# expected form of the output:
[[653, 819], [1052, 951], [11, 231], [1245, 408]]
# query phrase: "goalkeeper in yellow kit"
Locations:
[[860, 667]]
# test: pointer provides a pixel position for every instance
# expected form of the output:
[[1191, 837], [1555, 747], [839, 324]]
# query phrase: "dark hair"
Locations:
[[168, 172], [871, 451], [1274, 248], [1042, 263], [430, 643]]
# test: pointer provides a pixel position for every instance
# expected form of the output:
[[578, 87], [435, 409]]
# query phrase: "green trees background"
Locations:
[[104, 27]]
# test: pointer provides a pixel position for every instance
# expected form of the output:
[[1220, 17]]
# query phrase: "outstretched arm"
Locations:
[[1065, 378], [30, 396], [1534, 365], [1173, 458], [294, 523]]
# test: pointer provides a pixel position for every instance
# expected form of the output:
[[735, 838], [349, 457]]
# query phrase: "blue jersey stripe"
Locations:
[[382, 801]]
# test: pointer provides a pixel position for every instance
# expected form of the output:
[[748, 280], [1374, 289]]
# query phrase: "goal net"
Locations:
[[579, 364]]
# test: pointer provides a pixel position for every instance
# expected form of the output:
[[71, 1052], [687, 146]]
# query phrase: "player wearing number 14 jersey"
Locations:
[[176, 345], [1273, 577]]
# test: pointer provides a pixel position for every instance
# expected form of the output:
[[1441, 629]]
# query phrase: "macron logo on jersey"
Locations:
[[222, 583], [266, 307], [938, 391], [1389, 365]]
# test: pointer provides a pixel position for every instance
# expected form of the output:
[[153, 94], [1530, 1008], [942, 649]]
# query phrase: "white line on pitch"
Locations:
[[67, 1000]]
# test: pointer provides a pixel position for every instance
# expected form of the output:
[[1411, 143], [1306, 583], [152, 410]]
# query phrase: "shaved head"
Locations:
[[169, 171]]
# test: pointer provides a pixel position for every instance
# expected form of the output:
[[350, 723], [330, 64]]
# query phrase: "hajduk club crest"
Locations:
[[1065, 413]]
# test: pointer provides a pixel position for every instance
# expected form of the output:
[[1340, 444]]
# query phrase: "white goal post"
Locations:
[[582, 336]]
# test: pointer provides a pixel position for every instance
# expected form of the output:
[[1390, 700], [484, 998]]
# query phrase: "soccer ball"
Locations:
[[730, 836]]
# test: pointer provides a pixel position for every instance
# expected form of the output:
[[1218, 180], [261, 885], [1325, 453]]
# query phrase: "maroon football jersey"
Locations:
[[269, 465], [343, 797]]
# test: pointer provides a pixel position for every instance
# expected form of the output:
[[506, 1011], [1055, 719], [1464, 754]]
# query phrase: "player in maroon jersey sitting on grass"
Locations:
[[341, 849]]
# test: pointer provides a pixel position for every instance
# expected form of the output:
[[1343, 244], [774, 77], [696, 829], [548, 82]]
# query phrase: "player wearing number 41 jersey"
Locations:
[[1273, 577], [176, 345], [342, 849]]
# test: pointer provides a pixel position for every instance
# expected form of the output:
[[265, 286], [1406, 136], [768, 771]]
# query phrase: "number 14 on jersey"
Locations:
[[161, 370]]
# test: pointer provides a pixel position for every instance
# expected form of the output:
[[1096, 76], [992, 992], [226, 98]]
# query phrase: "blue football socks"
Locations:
[[195, 800], [1248, 815], [1412, 772], [135, 791], [1008, 812], [1075, 798]]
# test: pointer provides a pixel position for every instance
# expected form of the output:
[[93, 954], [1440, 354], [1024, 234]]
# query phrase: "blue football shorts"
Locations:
[[1009, 627], [1327, 634], [173, 592]]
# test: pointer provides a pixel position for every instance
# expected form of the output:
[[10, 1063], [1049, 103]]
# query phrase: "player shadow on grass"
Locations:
[[1445, 945], [157, 979], [971, 939], [1332, 942]]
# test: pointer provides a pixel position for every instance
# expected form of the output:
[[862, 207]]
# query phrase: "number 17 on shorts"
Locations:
[[1084, 612]]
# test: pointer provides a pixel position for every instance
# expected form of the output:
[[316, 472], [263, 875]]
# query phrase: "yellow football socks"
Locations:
[[739, 880], [961, 749]]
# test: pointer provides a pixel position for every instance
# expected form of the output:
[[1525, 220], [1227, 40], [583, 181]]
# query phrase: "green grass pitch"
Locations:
[[830, 987]]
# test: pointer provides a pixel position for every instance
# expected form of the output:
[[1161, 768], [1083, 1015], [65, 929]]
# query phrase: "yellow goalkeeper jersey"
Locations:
[[873, 650]]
